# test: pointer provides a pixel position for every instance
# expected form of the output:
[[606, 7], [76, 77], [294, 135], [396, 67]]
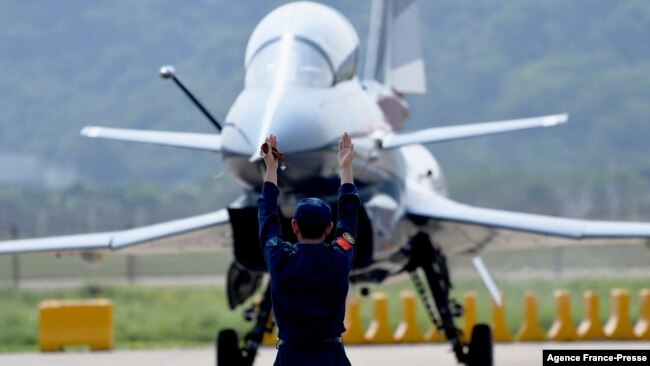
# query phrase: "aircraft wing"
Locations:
[[462, 228], [120, 239], [200, 141], [439, 134]]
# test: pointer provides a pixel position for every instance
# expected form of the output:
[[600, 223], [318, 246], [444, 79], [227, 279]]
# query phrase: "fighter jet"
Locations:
[[302, 84]]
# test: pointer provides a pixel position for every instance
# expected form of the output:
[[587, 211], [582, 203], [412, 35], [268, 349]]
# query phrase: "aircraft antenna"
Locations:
[[169, 72]]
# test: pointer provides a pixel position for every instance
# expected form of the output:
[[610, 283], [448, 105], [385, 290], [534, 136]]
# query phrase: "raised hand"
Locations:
[[270, 160], [346, 151], [346, 154]]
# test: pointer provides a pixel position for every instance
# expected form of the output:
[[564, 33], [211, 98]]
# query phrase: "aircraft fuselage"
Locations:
[[308, 123], [303, 89]]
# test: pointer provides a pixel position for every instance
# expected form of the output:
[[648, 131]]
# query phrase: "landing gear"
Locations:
[[434, 265], [229, 350], [480, 347]]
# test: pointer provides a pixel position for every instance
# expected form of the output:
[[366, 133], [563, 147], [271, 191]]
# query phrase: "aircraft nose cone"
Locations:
[[297, 129], [294, 117], [296, 124]]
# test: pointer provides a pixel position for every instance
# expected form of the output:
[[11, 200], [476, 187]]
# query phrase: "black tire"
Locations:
[[228, 352], [480, 347]]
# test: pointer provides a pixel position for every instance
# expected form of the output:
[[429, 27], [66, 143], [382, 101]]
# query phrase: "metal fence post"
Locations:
[[130, 269], [15, 259], [558, 261]]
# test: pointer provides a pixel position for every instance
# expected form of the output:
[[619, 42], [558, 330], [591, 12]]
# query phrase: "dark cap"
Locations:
[[314, 211]]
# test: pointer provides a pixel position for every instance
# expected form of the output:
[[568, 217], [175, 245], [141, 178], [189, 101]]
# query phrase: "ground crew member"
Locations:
[[309, 279]]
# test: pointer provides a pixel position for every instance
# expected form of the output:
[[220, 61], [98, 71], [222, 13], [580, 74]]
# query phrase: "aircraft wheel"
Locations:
[[228, 352], [480, 347]]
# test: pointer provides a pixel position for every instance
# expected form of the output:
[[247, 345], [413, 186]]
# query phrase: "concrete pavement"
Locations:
[[507, 354]]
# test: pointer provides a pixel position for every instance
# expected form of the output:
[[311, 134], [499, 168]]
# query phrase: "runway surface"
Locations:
[[512, 354]]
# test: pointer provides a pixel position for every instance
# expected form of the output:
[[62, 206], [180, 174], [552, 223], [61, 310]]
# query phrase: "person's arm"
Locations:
[[269, 221], [349, 201], [347, 223], [271, 162], [346, 154], [267, 214]]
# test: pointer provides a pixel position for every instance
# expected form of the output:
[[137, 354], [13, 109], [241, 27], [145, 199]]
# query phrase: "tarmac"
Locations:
[[505, 354]]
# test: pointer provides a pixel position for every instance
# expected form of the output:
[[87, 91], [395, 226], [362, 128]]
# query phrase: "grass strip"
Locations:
[[178, 317]]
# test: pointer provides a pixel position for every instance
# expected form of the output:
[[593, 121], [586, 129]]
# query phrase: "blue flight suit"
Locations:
[[309, 283]]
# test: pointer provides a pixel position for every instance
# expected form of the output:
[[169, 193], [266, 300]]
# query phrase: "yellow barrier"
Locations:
[[379, 330], [562, 328], [619, 325], [67, 323], [642, 327], [354, 327], [469, 315], [408, 330], [434, 335], [500, 331], [270, 339], [590, 327], [531, 329]]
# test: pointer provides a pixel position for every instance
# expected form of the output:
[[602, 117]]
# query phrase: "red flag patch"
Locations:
[[343, 243]]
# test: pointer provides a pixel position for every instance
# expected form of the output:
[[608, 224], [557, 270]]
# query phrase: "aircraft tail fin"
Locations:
[[394, 54]]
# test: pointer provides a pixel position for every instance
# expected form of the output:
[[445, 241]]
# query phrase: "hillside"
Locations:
[[71, 63]]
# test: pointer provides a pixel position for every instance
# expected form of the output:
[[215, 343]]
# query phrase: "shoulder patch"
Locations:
[[272, 242], [344, 243], [349, 238]]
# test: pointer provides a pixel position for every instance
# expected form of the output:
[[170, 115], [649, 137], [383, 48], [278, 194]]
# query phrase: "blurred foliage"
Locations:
[[71, 63], [88, 207]]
